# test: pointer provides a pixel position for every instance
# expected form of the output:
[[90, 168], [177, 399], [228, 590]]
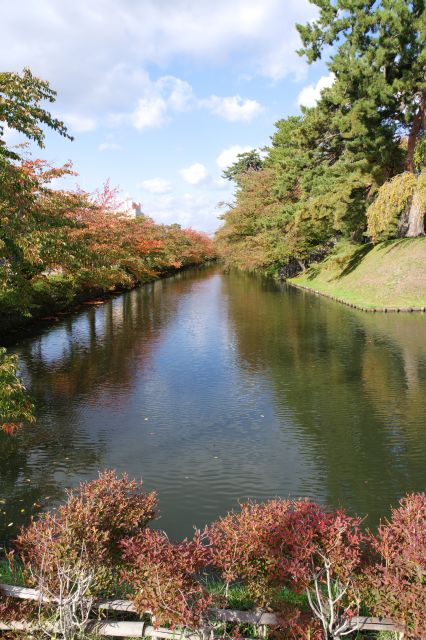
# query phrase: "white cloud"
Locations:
[[180, 94], [198, 211], [156, 101], [195, 174], [156, 185], [310, 95], [150, 112], [78, 123], [76, 45], [229, 155], [109, 146], [169, 94], [233, 108]]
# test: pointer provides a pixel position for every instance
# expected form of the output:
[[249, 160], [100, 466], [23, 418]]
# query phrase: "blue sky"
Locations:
[[160, 95]]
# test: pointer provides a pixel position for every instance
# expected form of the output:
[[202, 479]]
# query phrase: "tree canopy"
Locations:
[[327, 167], [21, 100]]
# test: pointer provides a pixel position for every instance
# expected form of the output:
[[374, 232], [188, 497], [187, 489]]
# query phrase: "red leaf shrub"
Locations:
[[294, 624], [294, 544], [304, 537], [397, 582], [282, 542], [12, 609], [86, 530], [239, 546], [163, 577]]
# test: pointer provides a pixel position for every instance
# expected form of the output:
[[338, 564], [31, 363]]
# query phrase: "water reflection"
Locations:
[[356, 384], [76, 371], [216, 387]]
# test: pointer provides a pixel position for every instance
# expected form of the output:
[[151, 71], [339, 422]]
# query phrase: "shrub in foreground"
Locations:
[[239, 546], [85, 532], [298, 545], [397, 581], [164, 577], [99, 538]]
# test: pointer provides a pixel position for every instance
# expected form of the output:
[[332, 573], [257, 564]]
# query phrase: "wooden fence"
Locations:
[[139, 629]]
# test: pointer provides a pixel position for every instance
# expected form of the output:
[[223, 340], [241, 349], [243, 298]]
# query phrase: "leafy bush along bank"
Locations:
[[99, 543]]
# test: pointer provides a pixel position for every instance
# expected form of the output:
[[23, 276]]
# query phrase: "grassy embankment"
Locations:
[[387, 276]]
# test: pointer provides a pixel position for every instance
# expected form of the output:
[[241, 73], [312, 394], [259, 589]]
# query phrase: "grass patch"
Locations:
[[388, 275], [238, 597], [9, 576]]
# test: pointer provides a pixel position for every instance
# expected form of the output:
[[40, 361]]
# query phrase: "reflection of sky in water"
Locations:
[[215, 388]]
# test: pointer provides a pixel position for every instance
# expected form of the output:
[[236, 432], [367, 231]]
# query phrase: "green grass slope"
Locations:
[[389, 275]]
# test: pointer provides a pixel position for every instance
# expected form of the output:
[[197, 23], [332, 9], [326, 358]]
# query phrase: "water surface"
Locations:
[[217, 387]]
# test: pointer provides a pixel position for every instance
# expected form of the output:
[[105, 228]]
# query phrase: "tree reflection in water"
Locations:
[[217, 387], [355, 383]]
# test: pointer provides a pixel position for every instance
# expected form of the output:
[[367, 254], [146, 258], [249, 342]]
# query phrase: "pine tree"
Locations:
[[379, 94]]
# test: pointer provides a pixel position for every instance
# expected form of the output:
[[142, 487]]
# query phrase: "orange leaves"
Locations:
[[11, 427], [57, 244]]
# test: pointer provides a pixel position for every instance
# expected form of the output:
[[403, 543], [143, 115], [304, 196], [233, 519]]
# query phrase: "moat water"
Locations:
[[215, 388]]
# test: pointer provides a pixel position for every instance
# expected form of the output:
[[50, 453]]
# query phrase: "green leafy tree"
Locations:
[[21, 108], [378, 99], [15, 405], [247, 161]]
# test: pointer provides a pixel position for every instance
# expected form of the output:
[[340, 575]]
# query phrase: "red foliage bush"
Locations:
[[163, 577], [86, 530], [305, 538], [397, 581], [294, 544], [283, 542], [239, 546], [294, 624], [101, 533]]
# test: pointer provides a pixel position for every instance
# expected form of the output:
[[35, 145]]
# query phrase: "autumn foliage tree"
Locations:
[[55, 244], [59, 246], [22, 97]]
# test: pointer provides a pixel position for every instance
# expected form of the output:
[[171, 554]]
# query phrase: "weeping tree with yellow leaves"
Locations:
[[399, 208]]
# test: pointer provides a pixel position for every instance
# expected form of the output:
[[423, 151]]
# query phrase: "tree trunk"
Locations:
[[415, 217], [416, 127]]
